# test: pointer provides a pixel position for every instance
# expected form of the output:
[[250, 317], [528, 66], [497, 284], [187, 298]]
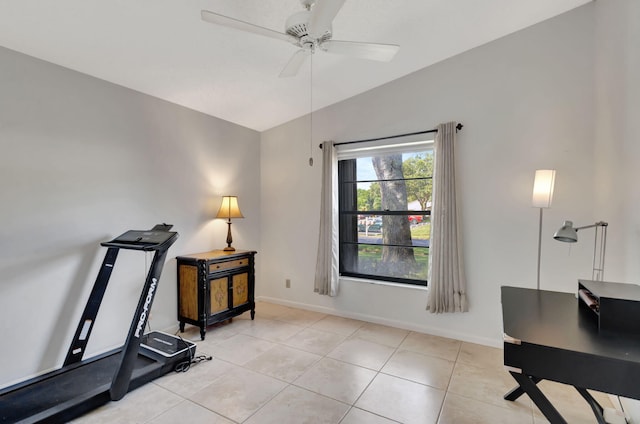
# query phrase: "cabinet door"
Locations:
[[240, 284], [219, 295]]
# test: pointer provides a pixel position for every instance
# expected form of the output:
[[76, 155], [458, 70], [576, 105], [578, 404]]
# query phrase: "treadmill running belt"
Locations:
[[72, 393]]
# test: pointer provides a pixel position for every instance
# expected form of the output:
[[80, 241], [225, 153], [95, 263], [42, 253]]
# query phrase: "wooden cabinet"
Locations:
[[215, 286]]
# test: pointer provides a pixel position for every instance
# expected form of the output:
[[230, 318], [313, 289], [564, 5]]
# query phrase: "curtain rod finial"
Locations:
[[459, 126]]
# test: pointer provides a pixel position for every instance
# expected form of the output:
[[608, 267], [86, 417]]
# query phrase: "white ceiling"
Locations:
[[163, 48]]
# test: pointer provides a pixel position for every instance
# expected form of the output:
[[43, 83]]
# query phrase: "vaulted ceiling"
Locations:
[[164, 49]]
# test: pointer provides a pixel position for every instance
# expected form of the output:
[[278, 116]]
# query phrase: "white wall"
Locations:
[[617, 142], [618, 126], [82, 161], [526, 101]]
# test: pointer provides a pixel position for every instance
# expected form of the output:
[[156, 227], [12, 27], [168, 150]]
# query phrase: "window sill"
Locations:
[[383, 283]]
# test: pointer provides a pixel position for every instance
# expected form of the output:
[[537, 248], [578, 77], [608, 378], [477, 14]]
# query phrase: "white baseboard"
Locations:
[[384, 321]]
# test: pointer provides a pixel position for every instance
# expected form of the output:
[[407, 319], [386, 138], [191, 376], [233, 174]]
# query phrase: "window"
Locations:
[[384, 210]]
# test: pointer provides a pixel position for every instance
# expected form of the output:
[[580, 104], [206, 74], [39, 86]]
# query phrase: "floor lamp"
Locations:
[[542, 196]]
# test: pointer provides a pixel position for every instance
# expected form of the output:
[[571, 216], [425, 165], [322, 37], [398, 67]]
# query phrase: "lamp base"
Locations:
[[229, 248]]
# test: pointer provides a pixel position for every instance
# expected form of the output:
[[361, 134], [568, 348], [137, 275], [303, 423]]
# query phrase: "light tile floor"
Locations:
[[295, 366]]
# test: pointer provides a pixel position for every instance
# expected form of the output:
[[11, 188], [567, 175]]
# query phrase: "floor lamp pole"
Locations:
[[539, 247]]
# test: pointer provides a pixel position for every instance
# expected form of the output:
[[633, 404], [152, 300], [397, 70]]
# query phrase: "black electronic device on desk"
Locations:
[[82, 385], [615, 306]]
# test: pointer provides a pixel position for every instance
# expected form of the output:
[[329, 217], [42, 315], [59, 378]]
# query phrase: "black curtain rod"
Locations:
[[458, 128]]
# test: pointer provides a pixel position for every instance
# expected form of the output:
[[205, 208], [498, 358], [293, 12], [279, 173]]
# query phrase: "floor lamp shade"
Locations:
[[542, 196], [229, 209], [543, 188]]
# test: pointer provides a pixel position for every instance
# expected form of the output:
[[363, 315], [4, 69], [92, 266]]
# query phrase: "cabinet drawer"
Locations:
[[219, 266]]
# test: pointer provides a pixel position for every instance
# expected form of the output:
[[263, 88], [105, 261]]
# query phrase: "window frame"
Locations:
[[348, 217]]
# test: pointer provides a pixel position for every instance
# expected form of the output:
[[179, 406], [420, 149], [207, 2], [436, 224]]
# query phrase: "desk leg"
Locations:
[[541, 401], [595, 406], [516, 392]]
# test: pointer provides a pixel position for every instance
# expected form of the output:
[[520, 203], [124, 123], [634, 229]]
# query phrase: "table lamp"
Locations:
[[229, 209]]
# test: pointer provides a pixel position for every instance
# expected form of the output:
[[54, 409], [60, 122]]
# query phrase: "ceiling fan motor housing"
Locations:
[[296, 25]]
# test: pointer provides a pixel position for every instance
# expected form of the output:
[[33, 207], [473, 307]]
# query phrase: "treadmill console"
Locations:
[[154, 239]]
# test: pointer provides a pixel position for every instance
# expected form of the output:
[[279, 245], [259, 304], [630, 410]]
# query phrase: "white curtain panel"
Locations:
[[326, 278], [447, 285]]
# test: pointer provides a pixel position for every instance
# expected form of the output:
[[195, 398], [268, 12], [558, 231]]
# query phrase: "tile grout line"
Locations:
[[325, 355]]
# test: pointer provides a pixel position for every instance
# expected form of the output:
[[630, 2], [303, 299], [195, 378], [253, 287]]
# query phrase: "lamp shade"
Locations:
[[566, 233], [229, 208], [543, 188]]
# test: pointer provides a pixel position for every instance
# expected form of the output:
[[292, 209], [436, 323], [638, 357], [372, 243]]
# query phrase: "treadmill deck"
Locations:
[[60, 397]]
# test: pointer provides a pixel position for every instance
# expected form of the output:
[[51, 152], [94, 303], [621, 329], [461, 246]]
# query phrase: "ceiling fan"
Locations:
[[310, 30]]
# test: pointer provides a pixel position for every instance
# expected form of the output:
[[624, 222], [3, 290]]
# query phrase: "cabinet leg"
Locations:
[[181, 326], [253, 314], [202, 332]]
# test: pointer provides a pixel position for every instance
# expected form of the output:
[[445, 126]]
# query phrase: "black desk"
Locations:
[[547, 337]]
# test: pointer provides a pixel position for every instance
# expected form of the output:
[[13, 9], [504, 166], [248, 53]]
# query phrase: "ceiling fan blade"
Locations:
[[218, 19], [322, 14], [293, 66], [370, 51]]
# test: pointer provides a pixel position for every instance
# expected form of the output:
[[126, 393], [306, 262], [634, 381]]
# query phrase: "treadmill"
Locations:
[[83, 385]]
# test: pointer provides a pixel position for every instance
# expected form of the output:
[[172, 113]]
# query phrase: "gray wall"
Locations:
[[527, 102], [81, 162]]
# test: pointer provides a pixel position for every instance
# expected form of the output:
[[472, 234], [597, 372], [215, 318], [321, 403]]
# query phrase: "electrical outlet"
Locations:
[[287, 283]]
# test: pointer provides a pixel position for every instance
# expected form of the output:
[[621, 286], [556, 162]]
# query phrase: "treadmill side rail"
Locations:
[[83, 331]]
